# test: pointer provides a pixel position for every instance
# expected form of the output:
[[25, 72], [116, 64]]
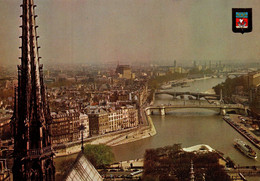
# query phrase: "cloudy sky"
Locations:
[[96, 31]]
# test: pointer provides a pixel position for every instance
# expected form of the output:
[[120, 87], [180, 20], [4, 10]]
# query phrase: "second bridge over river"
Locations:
[[194, 94], [222, 109]]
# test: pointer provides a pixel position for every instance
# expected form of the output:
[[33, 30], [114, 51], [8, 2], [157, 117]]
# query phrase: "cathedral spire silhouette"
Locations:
[[33, 155]]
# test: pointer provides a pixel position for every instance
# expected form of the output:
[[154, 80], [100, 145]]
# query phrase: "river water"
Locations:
[[189, 127]]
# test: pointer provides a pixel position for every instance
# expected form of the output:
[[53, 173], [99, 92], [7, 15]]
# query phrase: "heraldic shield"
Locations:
[[241, 20]]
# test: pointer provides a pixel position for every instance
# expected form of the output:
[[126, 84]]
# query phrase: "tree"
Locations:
[[229, 86], [172, 163], [155, 82], [99, 155]]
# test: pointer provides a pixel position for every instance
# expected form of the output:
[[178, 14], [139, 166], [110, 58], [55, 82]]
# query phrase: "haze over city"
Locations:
[[129, 90], [149, 31]]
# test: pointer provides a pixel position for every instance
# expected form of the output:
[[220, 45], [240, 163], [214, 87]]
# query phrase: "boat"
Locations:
[[244, 148], [176, 84], [166, 86], [185, 85]]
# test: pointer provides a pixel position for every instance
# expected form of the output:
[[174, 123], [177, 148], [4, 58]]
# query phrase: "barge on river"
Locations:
[[244, 148]]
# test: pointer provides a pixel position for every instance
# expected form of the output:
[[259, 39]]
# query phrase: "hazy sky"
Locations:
[[88, 31]]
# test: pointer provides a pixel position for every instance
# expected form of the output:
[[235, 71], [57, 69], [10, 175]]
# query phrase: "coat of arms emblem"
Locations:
[[242, 20]]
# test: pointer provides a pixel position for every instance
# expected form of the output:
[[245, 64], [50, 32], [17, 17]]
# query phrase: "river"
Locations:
[[189, 127]]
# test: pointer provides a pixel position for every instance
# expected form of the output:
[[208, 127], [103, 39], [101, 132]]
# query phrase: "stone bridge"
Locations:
[[195, 94], [236, 74], [222, 108]]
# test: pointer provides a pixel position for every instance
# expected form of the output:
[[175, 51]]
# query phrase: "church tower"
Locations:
[[33, 154]]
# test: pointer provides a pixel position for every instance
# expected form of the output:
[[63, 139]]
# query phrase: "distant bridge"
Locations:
[[236, 74], [222, 108], [197, 95]]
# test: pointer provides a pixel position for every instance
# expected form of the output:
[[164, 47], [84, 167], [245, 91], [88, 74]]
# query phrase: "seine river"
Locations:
[[189, 127]]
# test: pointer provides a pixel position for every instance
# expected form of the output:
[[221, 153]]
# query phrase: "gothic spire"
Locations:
[[30, 63], [32, 142]]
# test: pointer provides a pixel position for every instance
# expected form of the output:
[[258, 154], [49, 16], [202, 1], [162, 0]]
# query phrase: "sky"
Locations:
[[130, 31]]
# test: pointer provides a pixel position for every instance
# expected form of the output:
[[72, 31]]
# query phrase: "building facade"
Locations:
[[124, 71], [102, 121], [116, 119], [85, 121], [254, 79], [65, 126], [132, 117], [122, 118], [98, 122]]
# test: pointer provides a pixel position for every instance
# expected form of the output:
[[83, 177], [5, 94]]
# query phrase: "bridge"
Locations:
[[236, 74], [223, 109], [195, 94], [232, 74]]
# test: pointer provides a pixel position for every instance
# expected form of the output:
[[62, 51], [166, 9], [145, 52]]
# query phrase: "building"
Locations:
[[123, 96], [117, 119], [199, 67], [102, 121], [194, 64], [98, 122], [122, 118], [254, 79], [33, 155], [65, 126], [85, 121], [160, 73], [176, 70], [255, 102], [132, 117], [124, 71]]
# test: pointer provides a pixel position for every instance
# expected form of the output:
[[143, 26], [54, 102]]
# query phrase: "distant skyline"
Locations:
[[130, 31]]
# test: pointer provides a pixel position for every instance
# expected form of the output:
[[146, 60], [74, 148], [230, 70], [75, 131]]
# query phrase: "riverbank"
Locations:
[[240, 125], [111, 139], [139, 134]]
